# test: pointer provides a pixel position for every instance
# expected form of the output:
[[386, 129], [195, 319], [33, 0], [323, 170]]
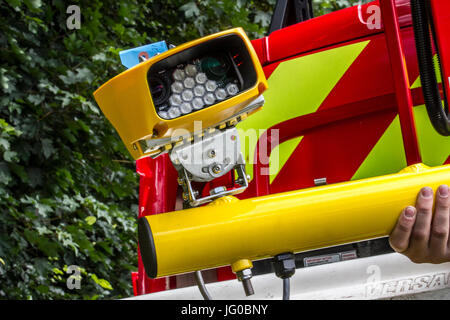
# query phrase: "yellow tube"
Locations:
[[257, 228]]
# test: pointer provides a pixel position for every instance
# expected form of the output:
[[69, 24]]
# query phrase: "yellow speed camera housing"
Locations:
[[211, 80]]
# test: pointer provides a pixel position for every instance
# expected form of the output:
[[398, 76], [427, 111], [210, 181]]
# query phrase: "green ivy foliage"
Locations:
[[68, 187]]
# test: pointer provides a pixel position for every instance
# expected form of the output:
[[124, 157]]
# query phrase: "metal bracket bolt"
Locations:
[[244, 276]]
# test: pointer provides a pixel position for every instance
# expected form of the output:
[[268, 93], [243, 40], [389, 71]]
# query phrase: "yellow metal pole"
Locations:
[[257, 228]]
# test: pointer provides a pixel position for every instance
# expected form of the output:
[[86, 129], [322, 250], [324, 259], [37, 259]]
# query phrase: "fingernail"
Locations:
[[443, 191], [410, 212], [427, 192]]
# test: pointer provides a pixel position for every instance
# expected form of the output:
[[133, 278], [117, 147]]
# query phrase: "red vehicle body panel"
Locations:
[[344, 129]]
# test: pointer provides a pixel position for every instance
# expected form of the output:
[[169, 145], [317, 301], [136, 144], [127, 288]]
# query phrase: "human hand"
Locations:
[[420, 235]]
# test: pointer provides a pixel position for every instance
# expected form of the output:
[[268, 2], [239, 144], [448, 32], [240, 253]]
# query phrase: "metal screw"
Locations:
[[216, 169], [244, 276], [211, 153]]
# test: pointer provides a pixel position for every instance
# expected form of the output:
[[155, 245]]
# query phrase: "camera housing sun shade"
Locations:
[[213, 80]]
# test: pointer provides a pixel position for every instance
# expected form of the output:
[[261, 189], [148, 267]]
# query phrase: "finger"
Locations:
[[441, 222], [399, 238], [420, 235]]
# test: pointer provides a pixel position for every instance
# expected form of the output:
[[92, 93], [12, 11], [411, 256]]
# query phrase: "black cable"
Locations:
[[284, 265], [201, 285], [438, 115], [286, 288]]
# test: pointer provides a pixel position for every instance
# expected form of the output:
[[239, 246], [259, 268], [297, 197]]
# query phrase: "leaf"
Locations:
[[84, 75], [83, 126], [36, 99], [101, 282], [46, 246], [2, 261], [6, 128], [81, 75], [190, 9], [20, 171], [34, 176], [10, 156], [4, 143], [262, 18], [31, 236], [6, 83], [57, 271], [43, 289], [101, 56], [42, 230], [92, 107], [69, 135], [33, 4], [5, 175], [90, 220], [14, 3], [47, 148]]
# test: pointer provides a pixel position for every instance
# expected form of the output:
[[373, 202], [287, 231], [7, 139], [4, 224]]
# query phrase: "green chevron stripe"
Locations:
[[297, 87], [388, 155], [434, 148]]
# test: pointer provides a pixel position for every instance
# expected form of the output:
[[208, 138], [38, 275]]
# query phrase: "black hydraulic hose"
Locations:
[[286, 288], [421, 15]]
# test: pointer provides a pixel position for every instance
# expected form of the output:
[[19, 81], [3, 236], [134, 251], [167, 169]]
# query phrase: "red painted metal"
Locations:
[[134, 280], [157, 194], [364, 89], [314, 34], [349, 147], [346, 126], [401, 81], [258, 45], [345, 134], [363, 122], [366, 77], [331, 29]]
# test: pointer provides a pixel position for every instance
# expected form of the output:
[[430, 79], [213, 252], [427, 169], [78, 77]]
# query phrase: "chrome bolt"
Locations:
[[244, 276]]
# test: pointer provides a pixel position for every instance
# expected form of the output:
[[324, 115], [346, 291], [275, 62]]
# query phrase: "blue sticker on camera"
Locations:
[[130, 57]]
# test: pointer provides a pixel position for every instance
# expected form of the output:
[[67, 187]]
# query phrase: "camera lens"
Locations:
[[216, 68], [159, 89]]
